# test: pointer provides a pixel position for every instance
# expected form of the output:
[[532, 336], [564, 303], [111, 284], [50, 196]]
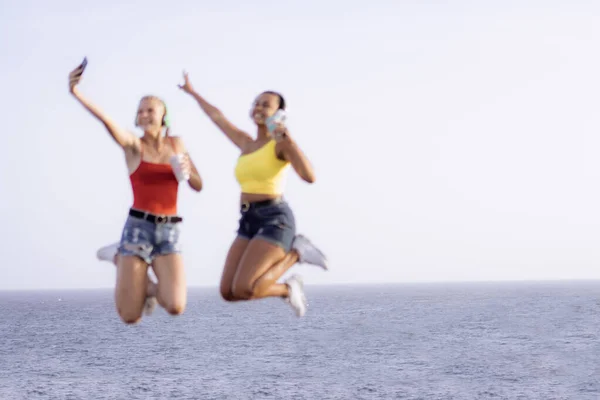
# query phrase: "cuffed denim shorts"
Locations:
[[147, 240], [270, 220]]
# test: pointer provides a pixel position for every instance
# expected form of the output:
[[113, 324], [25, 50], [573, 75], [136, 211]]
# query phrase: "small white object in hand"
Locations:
[[177, 164]]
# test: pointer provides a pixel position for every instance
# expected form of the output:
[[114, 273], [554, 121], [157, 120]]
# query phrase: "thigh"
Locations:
[[130, 291], [260, 255], [170, 273], [236, 251]]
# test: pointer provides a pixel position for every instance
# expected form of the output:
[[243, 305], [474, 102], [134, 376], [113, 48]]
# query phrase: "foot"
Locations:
[[296, 297], [150, 305], [108, 253], [308, 252]]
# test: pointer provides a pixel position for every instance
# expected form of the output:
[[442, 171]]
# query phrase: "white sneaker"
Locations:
[[308, 252], [108, 253], [296, 297], [150, 305]]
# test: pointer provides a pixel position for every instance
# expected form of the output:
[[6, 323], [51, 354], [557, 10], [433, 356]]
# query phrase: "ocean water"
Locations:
[[443, 341]]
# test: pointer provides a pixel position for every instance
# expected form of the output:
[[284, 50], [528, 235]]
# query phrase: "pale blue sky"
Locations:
[[451, 140]]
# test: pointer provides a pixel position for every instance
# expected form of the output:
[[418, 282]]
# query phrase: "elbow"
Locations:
[[309, 178], [304, 171], [195, 184], [196, 187]]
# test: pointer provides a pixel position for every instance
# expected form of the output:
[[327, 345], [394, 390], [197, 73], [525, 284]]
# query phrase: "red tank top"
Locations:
[[154, 188]]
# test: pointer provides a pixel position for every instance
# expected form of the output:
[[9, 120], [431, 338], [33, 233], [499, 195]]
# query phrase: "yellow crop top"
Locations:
[[261, 172]]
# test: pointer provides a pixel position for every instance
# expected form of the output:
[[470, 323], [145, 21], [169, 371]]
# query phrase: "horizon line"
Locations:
[[340, 284]]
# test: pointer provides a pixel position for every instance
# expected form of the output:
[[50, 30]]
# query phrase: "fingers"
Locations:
[[186, 82], [186, 166], [74, 80], [185, 159], [75, 75], [279, 130], [280, 134], [79, 69]]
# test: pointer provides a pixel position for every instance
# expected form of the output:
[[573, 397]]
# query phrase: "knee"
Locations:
[[243, 290], [129, 317], [227, 294], [175, 307], [173, 303]]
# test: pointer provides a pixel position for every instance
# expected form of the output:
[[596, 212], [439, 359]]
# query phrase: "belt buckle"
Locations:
[[245, 206], [161, 219]]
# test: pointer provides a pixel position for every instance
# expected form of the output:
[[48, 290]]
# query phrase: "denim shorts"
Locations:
[[271, 220], [148, 240]]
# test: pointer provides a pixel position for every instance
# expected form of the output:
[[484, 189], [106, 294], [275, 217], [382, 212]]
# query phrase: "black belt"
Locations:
[[155, 219], [258, 204]]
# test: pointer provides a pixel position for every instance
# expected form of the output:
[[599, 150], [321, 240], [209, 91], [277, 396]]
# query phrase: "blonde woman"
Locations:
[[151, 232]]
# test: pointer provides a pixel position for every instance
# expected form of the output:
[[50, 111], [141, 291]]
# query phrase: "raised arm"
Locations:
[[236, 135], [125, 139]]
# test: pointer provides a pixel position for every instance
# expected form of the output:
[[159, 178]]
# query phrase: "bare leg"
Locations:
[[266, 285], [236, 251], [262, 264], [172, 289], [151, 287], [130, 291]]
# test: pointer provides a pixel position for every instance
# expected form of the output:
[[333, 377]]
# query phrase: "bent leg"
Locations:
[[172, 290], [262, 264], [130, 290], [266, 285], [236, 251], [151, 287], [111, 254]]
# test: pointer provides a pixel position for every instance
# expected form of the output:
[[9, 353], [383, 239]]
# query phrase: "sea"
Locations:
[[525, 340]]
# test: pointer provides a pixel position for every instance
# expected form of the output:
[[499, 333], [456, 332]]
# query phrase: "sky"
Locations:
[[452, 141]]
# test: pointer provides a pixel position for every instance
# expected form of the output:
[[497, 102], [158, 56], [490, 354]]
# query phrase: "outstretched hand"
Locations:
[[76, 74], [187, 85]]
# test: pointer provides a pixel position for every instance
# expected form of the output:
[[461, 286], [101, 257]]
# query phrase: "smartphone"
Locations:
[[276, 119], [83, 64]]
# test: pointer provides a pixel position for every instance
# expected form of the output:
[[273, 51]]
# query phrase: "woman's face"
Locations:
[[265, 106], [150, 114]]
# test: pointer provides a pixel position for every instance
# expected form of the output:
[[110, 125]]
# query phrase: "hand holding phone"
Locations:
[[75, 75], [276, 120]]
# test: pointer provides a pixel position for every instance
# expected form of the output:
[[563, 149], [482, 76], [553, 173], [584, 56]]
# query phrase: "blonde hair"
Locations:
[[165, 118]]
